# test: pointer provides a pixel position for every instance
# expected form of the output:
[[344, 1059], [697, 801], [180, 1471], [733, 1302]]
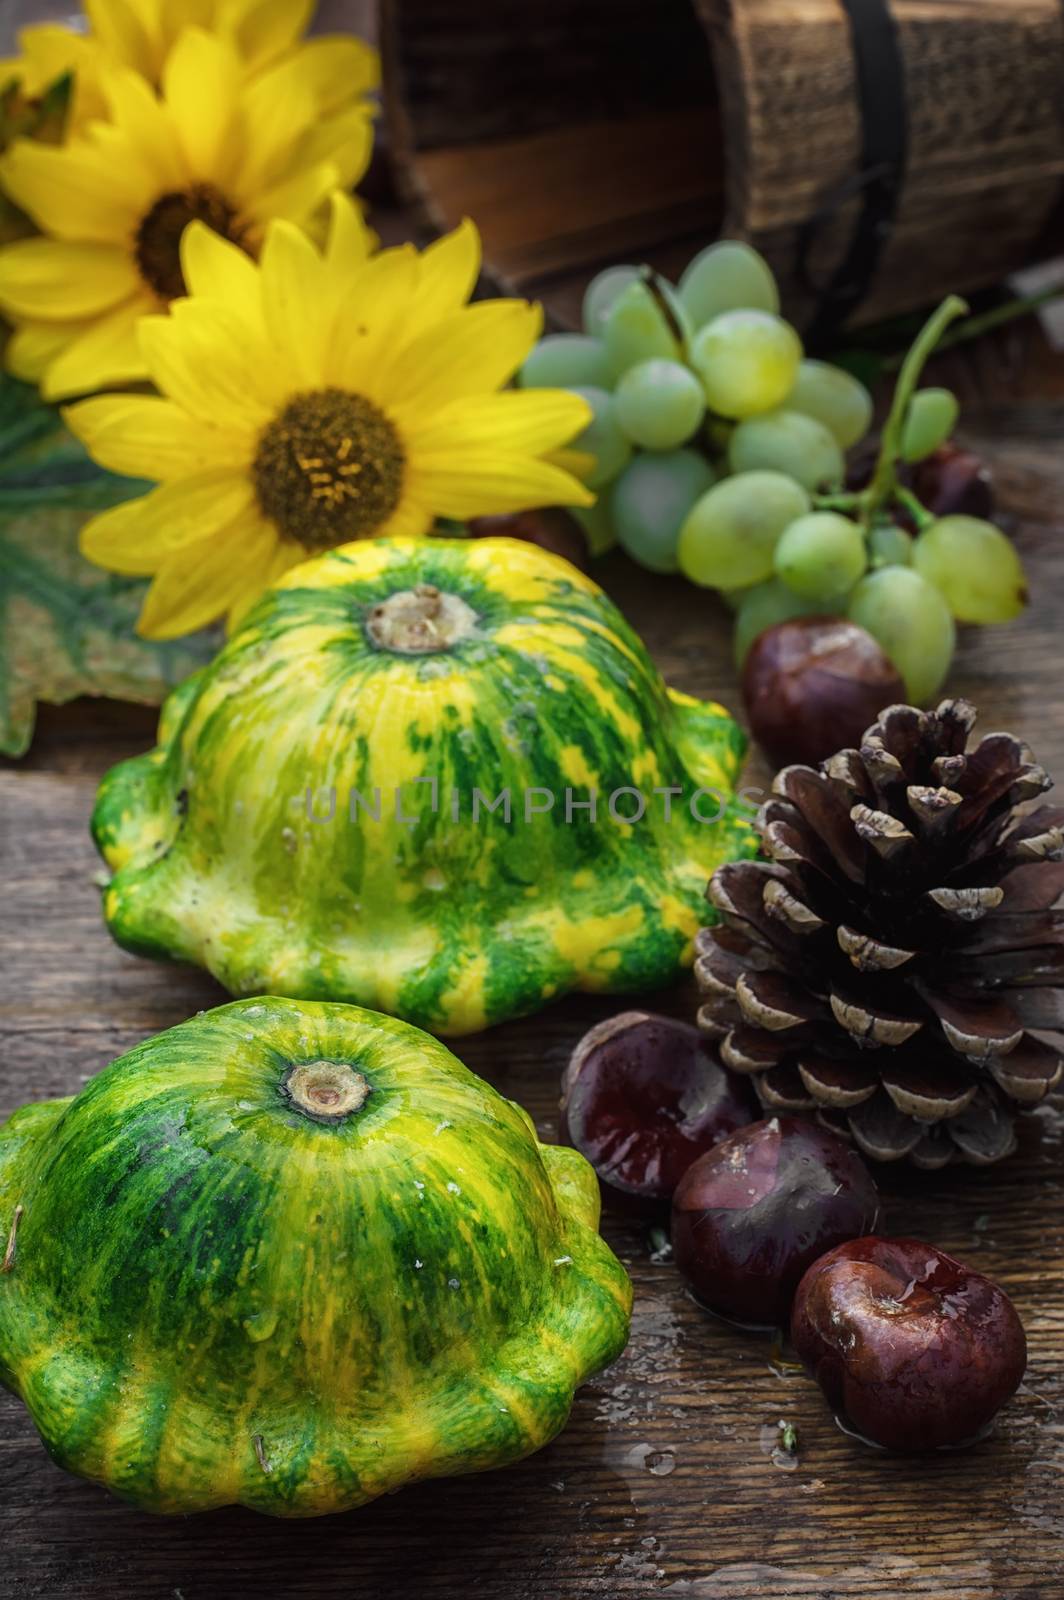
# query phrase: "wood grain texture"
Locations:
[[756, 122], [660, 1485]]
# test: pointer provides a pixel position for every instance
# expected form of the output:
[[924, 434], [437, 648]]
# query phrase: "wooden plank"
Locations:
[[472, 75], [575, 197], [660, 1484]]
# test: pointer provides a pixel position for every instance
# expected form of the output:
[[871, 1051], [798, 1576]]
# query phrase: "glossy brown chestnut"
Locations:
[[751, 1215], [911, 1348], [643, 1096], [551, 527], [812, 686]]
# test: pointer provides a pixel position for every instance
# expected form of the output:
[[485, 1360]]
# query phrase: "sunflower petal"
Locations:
[[118, 27], [204, 579], [471, 350], [139, 535], [282, 116], [581, 463], [296, 198], [201, 84], [532, 421], [115, 540], [449, 271], [410, 520], [201, 356], [53, 279], [350, 242], [265, 29], [47, 52], [294, 301], [33, 346], [144, 437], [346, 140], [286, 555], [336, 66], [366, 345], [149, 130], [476, 484], [104, 354], [218, 269], [72, 192]]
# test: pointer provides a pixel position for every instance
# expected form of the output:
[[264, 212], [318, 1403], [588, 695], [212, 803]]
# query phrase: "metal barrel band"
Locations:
[[880, 76]]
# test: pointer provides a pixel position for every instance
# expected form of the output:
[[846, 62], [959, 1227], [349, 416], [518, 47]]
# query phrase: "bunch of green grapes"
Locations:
[[719, 451]]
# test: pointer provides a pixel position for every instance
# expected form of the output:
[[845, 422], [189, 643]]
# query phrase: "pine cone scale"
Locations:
[[930, 1090], [831, 1086], [782, 1089], [1033, 887], [1028, 1072], [977, 1027], [886, 961]]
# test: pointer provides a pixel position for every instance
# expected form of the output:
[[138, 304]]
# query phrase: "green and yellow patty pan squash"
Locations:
[[294, 1256], [315, 821]]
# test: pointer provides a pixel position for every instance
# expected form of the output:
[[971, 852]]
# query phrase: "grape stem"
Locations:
[[838, 502], [652, 282], [996, 317], [883, 486], [919, 512]]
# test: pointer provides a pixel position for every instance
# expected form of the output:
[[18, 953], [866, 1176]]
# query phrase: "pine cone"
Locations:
[[882, 968]]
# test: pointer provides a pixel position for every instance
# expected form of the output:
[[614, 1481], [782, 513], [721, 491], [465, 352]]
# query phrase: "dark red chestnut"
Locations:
[[551, 527], [952, 479], [812, 686], [643, 1096], [754, 1212], [912, 1348]]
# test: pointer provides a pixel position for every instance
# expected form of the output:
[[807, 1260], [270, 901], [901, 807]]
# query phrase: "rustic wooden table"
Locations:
[[662, 1483]]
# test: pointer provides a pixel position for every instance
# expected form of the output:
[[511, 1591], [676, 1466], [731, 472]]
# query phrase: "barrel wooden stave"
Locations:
[[578, 134]]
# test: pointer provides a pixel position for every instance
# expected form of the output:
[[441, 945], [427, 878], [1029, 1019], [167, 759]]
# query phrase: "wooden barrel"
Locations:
[[879, 152]]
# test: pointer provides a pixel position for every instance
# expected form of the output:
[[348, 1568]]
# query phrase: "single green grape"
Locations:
[[728, 276], [975, 568], [835, 398], [602, 437], [747, 361], [761, 607], [637, 328], [733, 598], [929, 421], [597, 525], [650, 501], [659, 404], [790, 442], [821, 556], [601, 294], [911, 621], [730, 533], [889, 546], [561, 360]]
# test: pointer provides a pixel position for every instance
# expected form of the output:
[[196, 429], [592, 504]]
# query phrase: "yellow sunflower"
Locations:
[[318, 397], [139, 34], [114, 201]]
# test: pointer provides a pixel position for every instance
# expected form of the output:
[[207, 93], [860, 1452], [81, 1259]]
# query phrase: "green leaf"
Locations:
[[66, 627]]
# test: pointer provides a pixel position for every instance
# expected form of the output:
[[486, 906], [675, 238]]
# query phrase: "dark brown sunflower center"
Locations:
[[329, 469], [158, 241]]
